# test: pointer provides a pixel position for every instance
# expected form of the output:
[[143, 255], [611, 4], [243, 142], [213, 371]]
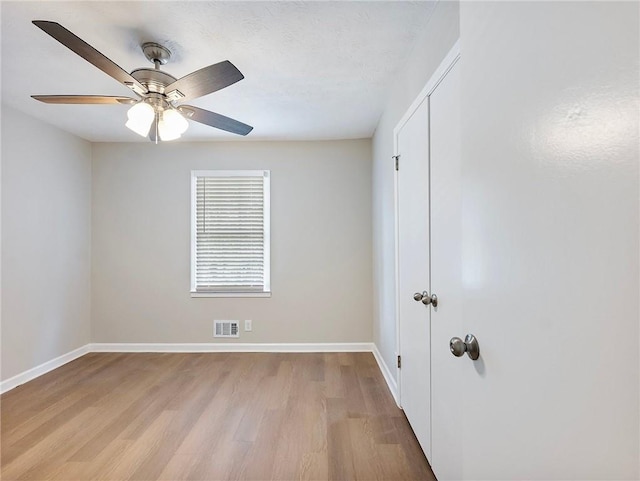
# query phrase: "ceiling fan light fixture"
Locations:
[[171, 125], [140, 116]]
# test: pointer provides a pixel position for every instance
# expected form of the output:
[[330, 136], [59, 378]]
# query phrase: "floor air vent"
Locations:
[[226, 329]]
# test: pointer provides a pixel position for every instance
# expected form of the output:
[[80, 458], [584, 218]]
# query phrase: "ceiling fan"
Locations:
[[155, 112]]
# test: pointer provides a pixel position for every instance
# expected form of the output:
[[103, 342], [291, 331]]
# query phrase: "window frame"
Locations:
[[266, 289]]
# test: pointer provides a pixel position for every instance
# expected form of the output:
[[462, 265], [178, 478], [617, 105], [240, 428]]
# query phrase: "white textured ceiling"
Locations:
[[313, 70]]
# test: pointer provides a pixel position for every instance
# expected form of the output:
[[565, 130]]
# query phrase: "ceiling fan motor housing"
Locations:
[[154, 80]]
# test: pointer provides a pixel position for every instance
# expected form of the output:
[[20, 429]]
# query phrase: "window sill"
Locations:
[[230, 294]]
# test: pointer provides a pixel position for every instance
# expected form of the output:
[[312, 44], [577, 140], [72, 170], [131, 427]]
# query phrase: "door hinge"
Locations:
[[399, 362], [396, 158]]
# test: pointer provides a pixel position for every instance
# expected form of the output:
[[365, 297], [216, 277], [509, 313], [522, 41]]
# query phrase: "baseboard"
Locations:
[[233, 347], [200, 347], [43, 368], [391, 382]]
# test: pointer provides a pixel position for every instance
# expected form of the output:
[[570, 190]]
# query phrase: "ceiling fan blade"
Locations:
[[215, 120], [83, 99], [90, 54], [204, 81]]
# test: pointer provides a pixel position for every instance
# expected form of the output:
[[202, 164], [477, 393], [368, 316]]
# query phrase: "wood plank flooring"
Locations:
[[209, 416]]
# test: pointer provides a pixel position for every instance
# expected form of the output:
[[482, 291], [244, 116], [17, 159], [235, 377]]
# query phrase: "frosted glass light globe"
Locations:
[[141, 117], [172, 125]]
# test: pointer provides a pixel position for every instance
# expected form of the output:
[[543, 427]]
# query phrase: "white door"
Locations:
[[413, 273], [550, 159], [447, 371]]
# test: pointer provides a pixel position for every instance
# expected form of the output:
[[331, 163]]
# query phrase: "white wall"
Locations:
[[320, 242], [46, 215], [437, 39]]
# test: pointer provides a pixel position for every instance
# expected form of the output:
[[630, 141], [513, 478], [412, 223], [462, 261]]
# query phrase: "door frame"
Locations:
[[447, 64]]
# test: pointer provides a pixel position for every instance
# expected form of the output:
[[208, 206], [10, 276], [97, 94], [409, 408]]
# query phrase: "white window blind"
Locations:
[[230, 232]]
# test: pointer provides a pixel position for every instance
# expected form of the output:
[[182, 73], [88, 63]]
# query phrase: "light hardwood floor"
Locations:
[[209, 416]]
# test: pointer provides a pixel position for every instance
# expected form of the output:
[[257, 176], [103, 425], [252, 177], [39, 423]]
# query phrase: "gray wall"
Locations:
[[46, 260], [320, 242], [438, 38]]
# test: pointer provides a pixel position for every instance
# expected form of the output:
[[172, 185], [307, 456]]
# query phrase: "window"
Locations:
[[230, 233]]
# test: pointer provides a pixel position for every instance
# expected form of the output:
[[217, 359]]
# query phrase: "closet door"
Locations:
[[414, 309], [447, 371]]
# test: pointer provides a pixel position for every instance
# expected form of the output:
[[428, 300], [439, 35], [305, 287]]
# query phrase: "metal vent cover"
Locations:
[[226, 329]]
